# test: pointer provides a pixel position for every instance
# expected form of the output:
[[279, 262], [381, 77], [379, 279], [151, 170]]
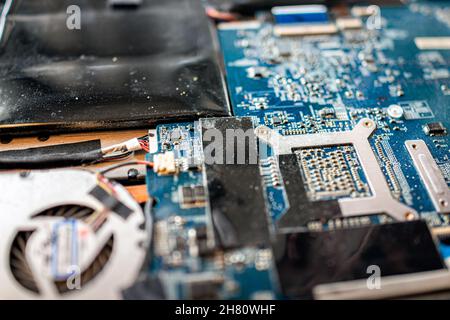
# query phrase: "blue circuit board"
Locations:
[[396, 73], [175, 223], [313, 84]]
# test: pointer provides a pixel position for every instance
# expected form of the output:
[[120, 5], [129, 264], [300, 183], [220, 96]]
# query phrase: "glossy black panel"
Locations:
[[125, 67], [307, 259]]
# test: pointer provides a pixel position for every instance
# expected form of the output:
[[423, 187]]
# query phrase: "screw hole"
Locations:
[[43, 138], [409, 216]]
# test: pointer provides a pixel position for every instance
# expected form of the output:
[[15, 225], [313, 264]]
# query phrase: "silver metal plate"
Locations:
[[390, 287], [430, 174]]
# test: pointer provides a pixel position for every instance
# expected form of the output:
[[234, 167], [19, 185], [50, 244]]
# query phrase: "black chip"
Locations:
[[199, 193], [187, 194], [201, 238], [207, 289], [304, 260], [435, 129], [276, 120], [327, 113]]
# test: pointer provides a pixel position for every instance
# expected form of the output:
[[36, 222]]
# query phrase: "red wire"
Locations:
[[147, 163], [144, 145]]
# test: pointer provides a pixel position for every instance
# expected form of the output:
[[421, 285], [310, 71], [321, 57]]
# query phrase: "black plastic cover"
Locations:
[[307, 259], [123, 68]]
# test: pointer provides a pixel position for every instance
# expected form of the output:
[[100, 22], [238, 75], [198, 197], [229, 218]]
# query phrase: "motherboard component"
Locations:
[[204, 286], [327, 113], [192, 196], [395, 111], [349, 23], [432, 43], [235, 186], [164, 163], [270, 171], [332, 172], [301, 209], [300, 14], [305, 30], [435, 129], [381, 200], [302, 20], [430, 175], [307, 259], [333, 103]]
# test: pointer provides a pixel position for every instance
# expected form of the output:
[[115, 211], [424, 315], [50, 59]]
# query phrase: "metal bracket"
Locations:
[[381, 200], [430, 175]]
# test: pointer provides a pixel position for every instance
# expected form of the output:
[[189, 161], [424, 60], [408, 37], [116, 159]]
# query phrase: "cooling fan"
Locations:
[[76, 236]]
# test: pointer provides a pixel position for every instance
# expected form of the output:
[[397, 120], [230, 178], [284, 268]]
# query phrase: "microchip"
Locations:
[[176, 135], [192, 196], [327, 113], [276, 120], [204, 289], [187, 195], [435, 129]]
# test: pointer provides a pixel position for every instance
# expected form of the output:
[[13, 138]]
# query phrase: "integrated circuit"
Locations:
[[192, 196]]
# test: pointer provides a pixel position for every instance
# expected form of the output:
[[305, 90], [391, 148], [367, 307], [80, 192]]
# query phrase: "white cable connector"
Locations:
[[164, 163], [127, 146], [133, 145]]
